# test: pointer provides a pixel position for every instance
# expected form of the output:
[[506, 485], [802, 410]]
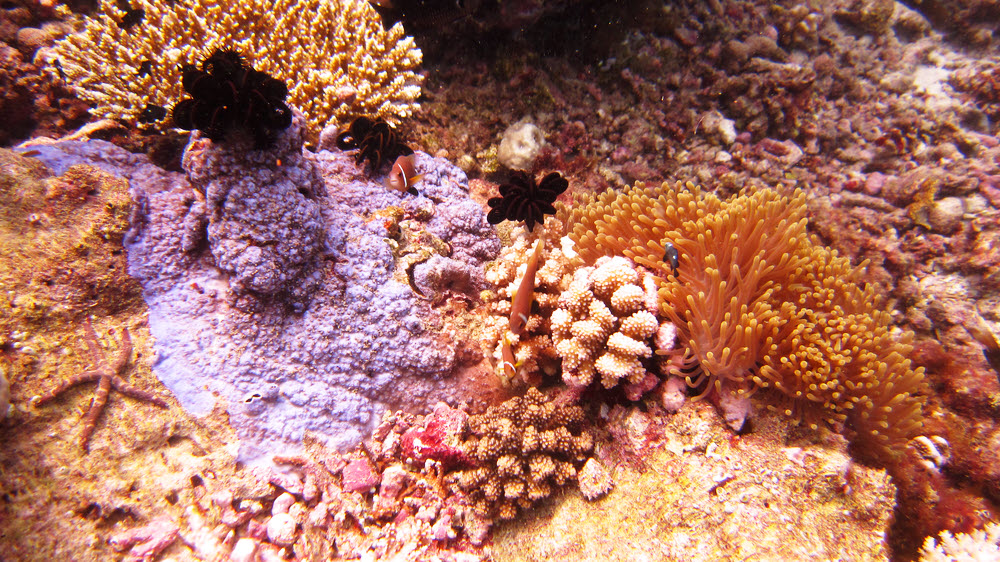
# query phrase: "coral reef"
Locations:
[[602, 325], [32, 101], [339, 62], [758, 303], [327, 362], [881, 112], [521, 451]]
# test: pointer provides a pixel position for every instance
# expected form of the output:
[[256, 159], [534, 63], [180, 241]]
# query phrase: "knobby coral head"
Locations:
[[521, 199]]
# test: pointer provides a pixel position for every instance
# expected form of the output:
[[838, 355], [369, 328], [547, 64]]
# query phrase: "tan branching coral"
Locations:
[[603, 324], [334, 55], [759, 303], [524, 449], [533, 348]]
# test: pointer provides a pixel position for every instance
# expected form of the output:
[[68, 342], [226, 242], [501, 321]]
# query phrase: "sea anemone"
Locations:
[[759, 303]]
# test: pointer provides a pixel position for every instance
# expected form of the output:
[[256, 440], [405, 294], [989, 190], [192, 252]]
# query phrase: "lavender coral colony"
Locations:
[[404, 357]]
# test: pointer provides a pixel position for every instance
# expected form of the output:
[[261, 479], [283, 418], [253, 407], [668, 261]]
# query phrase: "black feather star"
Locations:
[[227, 95], [524, 200], [375, 141]]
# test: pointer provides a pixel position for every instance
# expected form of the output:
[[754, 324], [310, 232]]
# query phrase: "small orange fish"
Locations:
[[510, 364], [520, 305], [403, 175]]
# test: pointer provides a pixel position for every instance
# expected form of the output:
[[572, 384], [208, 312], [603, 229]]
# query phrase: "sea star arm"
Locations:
[[107, 377], [88, 376], [129, 390]]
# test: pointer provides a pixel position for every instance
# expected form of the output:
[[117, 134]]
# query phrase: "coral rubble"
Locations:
[[702, 494]]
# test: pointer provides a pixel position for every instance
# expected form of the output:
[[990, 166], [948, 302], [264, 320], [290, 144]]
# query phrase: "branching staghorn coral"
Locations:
[[334, 55], [759, 303]]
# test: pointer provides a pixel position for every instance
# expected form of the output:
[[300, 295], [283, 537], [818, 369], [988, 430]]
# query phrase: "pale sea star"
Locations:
[[107, 376]]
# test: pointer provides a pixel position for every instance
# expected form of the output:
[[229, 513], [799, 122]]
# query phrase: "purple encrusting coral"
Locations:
[[277, 287], [264, 225]]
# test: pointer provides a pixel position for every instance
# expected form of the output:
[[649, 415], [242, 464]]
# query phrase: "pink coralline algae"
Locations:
[[277, 281], [145, 543], [437, 438], [264, 225]]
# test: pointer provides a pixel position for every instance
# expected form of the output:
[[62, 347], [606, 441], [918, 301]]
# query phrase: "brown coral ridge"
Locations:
[[106, 375], [524, 449], [759, 303]]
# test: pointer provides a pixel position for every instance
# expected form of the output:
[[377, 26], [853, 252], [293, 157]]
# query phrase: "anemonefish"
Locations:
[[510, 364], [520, 304], [403, 175]]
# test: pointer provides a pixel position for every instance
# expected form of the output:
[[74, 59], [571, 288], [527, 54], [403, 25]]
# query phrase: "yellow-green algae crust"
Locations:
[[706, 495]]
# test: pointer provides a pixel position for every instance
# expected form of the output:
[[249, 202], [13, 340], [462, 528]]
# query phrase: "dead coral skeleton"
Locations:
[[107, 375], [145, 543]]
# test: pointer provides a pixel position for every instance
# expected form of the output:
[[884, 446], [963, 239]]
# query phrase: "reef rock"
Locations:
[[280, 282], [702, 494], [264, 224]]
